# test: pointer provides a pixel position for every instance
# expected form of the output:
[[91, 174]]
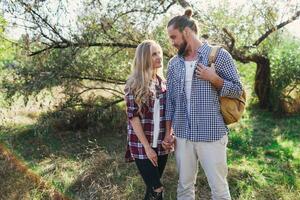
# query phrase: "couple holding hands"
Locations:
[[180, 113]]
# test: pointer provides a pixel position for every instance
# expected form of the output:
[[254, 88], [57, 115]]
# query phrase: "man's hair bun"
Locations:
[[188, 12]]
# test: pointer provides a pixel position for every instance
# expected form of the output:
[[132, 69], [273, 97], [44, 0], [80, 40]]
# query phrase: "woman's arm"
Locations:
[[138, 130]]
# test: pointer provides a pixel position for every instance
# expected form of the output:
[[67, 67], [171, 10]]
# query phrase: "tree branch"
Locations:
[[66, 45], [103, 88], [268, 32], [114, 81], [102, 108], [184, 3], [230, 35], [34, 13], [243, 58], [112, 103]]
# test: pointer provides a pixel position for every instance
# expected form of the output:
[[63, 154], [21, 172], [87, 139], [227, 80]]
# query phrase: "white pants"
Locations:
[[212, 157]]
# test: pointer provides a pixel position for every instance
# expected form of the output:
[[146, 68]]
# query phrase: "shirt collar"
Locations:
[[202, 48]]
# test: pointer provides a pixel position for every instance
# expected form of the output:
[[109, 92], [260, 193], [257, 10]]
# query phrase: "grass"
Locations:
[[12, 179], [19, 182], [263, 157], [266, 150], [85, 159]]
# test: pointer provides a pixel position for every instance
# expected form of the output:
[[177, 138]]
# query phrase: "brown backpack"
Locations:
[[231, 108]]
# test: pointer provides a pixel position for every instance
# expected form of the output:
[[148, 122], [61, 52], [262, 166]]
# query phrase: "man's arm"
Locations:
[[210, 74], [170, 109], [223, 75], [170, 97], [168, 127], [168, 142]]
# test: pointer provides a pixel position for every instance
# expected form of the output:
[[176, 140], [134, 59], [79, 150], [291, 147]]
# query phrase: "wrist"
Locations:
[[147, 146], [214, 78], [166, 137], [168, 133]]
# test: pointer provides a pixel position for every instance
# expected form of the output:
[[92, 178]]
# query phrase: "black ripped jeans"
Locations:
[[151, 174]]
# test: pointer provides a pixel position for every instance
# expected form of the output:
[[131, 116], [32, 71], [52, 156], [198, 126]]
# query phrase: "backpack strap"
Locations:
[[213, 54]]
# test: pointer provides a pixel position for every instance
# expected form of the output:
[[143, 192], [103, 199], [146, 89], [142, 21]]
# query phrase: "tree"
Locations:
[[248, 33], [95, 53]]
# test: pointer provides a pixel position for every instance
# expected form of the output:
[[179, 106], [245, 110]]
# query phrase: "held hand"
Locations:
[[168, 142], [206, 73], [152, 156]]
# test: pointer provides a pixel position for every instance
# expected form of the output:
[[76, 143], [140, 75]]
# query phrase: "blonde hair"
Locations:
[[142, 73]]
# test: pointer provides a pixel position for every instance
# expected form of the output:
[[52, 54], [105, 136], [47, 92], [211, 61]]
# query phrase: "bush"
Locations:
[[96, 120], [285, 77]]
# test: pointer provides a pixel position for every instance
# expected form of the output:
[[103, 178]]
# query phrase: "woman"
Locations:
[[145, 94]]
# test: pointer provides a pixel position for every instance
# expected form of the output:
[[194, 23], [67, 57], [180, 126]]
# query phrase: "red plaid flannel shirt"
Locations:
[[135, 148]]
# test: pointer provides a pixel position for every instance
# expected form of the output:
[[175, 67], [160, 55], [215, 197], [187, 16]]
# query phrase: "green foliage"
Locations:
[[74, 69], [95, 119], [7, 49], [285, 66], [246, 22], [7, 56]]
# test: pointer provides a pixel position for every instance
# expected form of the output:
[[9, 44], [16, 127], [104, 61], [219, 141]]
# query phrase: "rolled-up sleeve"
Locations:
[[131, 106], [170, 104], [226, 69]]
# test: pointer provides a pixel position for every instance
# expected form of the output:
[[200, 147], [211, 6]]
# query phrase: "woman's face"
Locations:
[[156, 56]]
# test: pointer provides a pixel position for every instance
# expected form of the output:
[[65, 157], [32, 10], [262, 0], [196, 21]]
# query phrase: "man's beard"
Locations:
[[182, 48]]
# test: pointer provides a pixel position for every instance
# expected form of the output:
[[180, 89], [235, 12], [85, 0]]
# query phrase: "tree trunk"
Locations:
[[262, 83]]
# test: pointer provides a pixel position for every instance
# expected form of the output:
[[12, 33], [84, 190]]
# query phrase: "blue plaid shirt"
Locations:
[[205, 122]]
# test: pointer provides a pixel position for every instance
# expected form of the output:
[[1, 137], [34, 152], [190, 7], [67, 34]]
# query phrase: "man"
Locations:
[[193, 109]]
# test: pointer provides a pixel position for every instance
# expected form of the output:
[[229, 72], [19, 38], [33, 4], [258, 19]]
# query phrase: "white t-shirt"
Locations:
[[189, 72], [156, 117]]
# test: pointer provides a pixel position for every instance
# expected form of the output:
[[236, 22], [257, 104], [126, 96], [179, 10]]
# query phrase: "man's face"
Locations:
[[177, 39]]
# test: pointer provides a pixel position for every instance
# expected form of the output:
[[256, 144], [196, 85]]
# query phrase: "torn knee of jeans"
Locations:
[[159, 189]]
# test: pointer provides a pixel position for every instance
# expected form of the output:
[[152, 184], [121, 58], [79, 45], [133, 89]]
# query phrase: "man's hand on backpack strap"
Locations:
[[209, 74]]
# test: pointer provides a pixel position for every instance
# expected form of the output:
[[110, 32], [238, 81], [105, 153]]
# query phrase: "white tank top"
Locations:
[[189, 71]]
